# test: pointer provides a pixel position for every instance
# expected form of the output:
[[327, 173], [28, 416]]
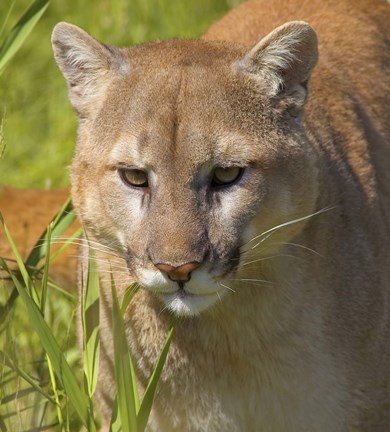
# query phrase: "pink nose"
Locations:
[[180, 273]]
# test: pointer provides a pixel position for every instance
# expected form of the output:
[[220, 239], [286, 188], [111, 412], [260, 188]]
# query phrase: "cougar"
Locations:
[[242, 180]]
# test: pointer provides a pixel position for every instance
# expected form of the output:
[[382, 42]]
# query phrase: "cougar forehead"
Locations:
[[189, 95], [178, 130]]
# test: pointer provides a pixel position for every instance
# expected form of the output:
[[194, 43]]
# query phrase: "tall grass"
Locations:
[[20, 31]]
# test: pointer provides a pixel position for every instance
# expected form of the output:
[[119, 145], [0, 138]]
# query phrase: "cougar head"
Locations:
[[188, 152]]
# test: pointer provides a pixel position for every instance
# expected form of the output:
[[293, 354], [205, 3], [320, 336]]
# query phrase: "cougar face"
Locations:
[[183, 164]]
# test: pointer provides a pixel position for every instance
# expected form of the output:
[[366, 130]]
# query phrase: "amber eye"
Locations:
[[134, 177], [226, 176]]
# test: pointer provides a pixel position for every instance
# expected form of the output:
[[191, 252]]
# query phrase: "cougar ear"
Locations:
[[284, 60], [84, 62]]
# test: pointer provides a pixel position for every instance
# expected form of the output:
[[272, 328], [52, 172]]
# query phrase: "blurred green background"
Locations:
[[38, 123]]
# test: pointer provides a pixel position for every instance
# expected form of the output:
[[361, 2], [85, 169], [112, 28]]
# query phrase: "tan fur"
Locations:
[[281, 329]]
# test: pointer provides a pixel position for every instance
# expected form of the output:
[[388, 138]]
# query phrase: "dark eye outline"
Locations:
[[215, 183], [122, 174]]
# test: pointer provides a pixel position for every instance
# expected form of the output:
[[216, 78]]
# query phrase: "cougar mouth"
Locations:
[[185, 303], [181, 288]]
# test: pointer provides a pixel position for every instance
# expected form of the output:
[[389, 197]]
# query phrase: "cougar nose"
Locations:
[[180, 273]]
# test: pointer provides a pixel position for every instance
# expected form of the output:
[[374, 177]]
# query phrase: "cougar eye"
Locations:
[[134, 177], [226, 176]]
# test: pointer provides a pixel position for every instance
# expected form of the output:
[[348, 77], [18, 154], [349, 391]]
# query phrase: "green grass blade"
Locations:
[[127, 297], [2, 142], [64, 218], [123, 374], [63, 371], [90, 320], [7, 307], [3, 427], [63, 291], [21, 266], [55, 392], [5, 360], [115, 424], [69, 241], [20, 32], [147, 401], [45, 278], [7, 18]]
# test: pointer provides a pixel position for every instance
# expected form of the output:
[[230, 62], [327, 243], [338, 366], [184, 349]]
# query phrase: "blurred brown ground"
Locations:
[[27, 212]]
